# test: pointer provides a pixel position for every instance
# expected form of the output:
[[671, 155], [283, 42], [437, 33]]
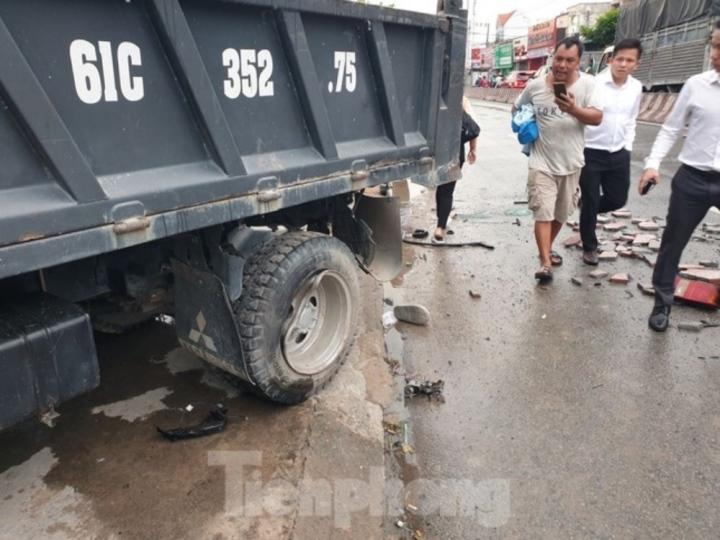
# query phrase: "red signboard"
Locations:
[[541, 36], [482, 57]]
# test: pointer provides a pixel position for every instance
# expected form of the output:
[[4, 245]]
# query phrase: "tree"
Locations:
[[603, 33]]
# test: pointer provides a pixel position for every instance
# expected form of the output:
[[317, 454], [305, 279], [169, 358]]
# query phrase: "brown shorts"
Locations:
[[552, 197]]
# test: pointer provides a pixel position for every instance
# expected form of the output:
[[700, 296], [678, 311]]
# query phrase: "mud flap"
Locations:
[[382, 217], [204, 320]]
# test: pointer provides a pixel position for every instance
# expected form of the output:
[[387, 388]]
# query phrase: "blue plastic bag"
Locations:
[[524, 124]]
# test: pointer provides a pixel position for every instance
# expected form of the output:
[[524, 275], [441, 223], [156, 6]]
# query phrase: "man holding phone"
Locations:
[[565, 101], [608, 146], [696, 185]]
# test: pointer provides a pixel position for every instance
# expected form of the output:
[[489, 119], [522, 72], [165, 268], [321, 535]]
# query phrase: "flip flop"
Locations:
[[555, 258], [544, 275]]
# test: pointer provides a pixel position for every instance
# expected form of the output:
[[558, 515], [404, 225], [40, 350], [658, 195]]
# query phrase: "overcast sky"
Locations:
[[535, 10], [488, 10]]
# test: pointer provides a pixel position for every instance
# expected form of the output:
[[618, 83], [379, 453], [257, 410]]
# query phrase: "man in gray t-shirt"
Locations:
[[565, 101]]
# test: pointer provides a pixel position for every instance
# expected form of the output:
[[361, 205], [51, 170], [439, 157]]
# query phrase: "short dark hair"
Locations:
[[569, 43], [628, 44]]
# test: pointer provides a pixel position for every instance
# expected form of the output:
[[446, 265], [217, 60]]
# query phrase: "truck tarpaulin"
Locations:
[[643, 16]]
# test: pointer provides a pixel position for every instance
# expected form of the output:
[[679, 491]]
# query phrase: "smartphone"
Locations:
[[560, 89], [647, 188]]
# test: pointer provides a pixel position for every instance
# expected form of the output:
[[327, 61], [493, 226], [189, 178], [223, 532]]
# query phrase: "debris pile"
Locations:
[[433, 390]]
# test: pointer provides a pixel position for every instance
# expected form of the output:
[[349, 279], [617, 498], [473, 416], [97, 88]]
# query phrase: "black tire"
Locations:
[[279, 272]]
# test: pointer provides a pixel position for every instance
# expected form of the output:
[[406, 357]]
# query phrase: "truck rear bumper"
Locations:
[[47, 356]]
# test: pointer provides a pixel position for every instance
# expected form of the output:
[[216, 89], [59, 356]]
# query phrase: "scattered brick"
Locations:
[[608, 256], [646, 289], [599, 274], [620, 279], [643, 239], [577, 281], [623, 213], [614, 226], [648, 226], [654, 245], [572, 241]]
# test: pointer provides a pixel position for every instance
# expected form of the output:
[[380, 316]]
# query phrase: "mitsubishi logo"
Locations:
[[198, 335]]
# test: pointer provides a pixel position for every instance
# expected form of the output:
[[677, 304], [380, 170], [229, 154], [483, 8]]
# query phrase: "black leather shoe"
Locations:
[[659, 318]]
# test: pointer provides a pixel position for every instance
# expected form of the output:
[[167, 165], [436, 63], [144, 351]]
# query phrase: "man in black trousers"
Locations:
[[609, 145], [696, 186]]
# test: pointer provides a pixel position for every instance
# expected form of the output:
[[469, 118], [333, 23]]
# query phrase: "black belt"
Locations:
[[607, 151]]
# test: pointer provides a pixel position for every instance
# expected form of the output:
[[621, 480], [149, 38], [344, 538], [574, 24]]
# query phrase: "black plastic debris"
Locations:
[[420, 233], [433, 390], [215, 422]]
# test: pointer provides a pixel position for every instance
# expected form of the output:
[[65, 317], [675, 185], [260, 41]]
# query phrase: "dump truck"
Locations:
[[226, 165]]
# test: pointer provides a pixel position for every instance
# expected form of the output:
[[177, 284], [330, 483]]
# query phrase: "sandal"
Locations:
[[544, 275], [555, 258]]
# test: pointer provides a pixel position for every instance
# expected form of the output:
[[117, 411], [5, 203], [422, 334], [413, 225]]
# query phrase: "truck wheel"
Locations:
[[298, 312]]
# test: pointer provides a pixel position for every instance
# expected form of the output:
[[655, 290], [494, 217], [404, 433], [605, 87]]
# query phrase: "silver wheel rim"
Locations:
[[318, 324]]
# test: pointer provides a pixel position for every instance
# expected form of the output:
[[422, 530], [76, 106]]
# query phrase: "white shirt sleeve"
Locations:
[[672, 127], [596, 96], [632, 123]]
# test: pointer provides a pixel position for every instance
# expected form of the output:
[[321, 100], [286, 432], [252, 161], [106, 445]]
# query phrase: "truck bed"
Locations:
[[122, 122]]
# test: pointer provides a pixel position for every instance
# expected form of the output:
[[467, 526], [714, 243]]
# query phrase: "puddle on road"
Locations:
[[136, 408], [32, 509]]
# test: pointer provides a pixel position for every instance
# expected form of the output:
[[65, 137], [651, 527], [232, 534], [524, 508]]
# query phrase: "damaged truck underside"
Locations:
[[223, 163]]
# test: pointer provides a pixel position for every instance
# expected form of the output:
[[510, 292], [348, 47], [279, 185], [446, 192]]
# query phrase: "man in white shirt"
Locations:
[[565, 101], [696, 186], [608, 147]]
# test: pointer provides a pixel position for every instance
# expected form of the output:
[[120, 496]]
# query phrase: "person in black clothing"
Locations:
[[444, 193]]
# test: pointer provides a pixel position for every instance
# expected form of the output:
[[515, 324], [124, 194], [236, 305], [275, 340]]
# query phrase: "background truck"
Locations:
[[675, 38], [208, 160]]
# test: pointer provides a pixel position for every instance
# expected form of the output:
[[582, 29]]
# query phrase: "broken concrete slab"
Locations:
[[599, 274], [648, 226], [706, 274], [620, 278], [690, 266], [413, 314]]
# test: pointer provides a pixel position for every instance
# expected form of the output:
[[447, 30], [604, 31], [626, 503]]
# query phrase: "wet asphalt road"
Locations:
[[579, 421]]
